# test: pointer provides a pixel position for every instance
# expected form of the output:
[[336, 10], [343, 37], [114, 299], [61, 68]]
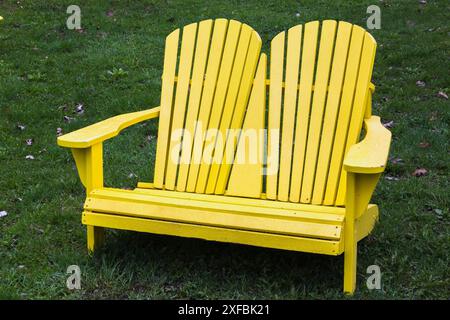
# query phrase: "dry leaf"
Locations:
[[424, 144], [3, 214], [391, 178], [389, 124], [59, 131], [423, 1], [132, 175], [29, 142], [396, 160], [67, 119], [442, 94], [79, 108], [419, 172], [420, 83], [29, 157], [20, 127]]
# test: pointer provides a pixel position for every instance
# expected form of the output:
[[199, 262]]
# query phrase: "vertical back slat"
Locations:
[[223, 81], [359, 103], [179, 110], [345, 110], [165, 115], [289, 108], [241, 105], [274, 116], [304, 105], [318, 105], [212, 71], [230, 102], [331, 110], [198, 75]]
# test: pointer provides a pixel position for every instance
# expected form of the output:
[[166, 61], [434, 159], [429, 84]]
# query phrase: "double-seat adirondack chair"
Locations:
[[291, 174]]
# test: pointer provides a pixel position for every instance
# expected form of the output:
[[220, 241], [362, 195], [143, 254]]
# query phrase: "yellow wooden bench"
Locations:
[[300, 180]]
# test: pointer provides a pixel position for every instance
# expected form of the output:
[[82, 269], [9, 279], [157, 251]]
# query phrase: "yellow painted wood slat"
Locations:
[[213, 233], [318, 106], [308, 62], [359, 104], [345, 109], [230, 102], [274, 116], [251, 62], [198, 75], [209, 213], [331, 110], [303, 211], [165, 116], [184, 75], [289, 109], [212, 72], [223, 82], [246, 178]]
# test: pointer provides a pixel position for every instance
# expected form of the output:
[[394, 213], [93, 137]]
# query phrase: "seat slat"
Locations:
[[198, 74], [289, 108], [318, 106], [345, 109], [184, 75], [165, 116], [304, 106], [331, 110], [125, 202], [274, 117]]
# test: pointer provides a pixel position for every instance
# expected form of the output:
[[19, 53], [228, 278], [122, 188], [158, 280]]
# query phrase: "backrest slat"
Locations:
[[318, 106], [216, 67], [345, 110], [184, 76], [165, 116], [219, 101], [198, 75], [289, 108], [331, 110], [230, 102], [304, 106], [274, 116], [212, 72], [359, 104]]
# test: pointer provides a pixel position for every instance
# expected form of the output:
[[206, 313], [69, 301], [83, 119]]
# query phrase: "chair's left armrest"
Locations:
[[103, 130], [371, 154]]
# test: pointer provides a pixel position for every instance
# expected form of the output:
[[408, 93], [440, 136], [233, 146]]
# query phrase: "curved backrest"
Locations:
[[206, 84], [319, 82]]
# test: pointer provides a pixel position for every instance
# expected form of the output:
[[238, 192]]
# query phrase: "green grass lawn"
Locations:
[[46, 70]]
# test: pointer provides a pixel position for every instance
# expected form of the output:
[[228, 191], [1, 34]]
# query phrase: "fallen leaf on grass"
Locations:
[[424, 144], [391, 178], [389, 124], [68, 119], [79, 108], [396, 160], [59, 131], [3, 214], [110, 13], [29, 157], [132, 175], [20, 127], [442, 94], [29, 142], [420, 83], [419, 172]]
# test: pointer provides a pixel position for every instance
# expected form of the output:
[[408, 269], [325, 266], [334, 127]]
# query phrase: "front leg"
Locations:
[[95, 238]]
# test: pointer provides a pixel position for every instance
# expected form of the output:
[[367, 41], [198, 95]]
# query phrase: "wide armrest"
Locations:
[[371, 154], [105, 129]]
